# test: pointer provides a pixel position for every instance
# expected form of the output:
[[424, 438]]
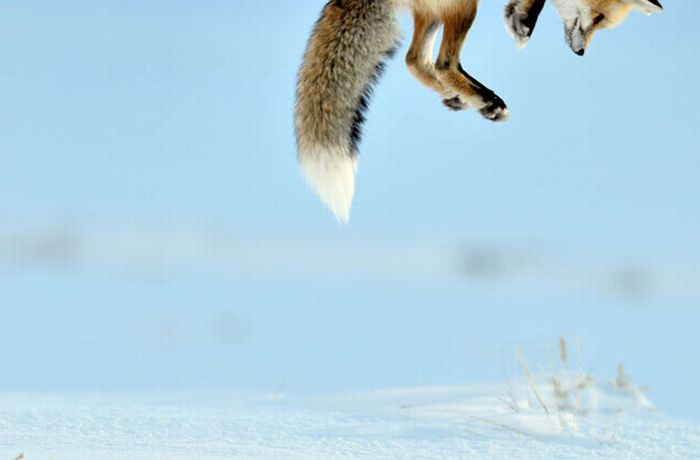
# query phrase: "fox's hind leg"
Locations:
[[457, 23], [419, 58], [521, 19]]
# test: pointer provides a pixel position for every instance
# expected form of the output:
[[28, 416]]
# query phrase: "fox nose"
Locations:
[[581, 52]]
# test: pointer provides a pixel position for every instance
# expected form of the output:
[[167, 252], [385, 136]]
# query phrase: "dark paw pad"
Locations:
[[495, 109], [455, 103], [519, 24]]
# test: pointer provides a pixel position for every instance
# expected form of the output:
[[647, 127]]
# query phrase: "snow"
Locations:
[[473, 421]]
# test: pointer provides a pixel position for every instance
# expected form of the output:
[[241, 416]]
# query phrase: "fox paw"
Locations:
[[455, 103], [495, 109], [519, 24]]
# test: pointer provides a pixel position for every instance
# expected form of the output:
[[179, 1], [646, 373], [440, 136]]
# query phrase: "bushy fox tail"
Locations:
[[344, 58]]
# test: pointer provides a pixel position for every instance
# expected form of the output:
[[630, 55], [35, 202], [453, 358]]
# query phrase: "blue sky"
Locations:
[[175, 118]]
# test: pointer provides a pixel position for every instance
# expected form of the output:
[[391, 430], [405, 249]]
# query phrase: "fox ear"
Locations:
[[646, 6]]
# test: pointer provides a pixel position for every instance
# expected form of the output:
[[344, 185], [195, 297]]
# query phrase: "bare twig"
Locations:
[[563, 351], [526, 371], [498, 425]]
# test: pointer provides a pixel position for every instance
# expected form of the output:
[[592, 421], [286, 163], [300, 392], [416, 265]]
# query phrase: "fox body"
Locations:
[[352, 40]]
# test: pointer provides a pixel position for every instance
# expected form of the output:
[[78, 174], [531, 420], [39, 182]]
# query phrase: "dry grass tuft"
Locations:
[[576, 393], [528, 376]]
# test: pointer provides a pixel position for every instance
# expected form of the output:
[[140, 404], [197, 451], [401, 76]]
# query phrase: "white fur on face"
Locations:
[[577, 17]]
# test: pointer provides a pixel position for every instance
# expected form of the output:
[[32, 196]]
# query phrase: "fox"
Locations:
[[347, 53], [581, 18]]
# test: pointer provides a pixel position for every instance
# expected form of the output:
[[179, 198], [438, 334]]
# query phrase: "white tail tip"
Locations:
[[331, 173]]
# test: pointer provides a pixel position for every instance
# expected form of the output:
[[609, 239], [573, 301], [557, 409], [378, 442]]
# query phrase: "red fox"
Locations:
[[353, 38]]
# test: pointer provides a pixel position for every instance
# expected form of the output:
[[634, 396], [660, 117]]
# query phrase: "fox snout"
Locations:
[[576, 37], [583, 18]]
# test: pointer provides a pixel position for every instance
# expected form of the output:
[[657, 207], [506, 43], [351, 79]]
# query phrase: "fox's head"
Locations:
[[583, 18]]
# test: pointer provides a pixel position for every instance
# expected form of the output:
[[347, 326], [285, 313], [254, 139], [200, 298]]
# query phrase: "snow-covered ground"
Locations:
[[563, 417], [119, 355]]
